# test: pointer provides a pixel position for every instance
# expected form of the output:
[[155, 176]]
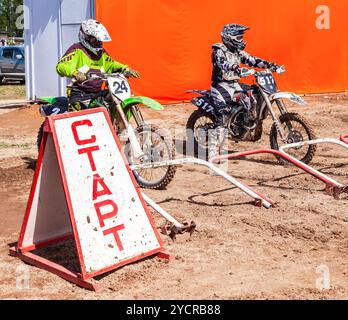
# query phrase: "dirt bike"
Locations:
[[288, 128], [144, 144]]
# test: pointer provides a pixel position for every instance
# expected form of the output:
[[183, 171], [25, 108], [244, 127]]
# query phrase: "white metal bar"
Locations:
[[310, 142], [209, 165], [294, 161], [161, 211]]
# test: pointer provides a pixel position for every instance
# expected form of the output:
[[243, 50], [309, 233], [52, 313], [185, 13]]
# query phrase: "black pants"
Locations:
[[79, 100]]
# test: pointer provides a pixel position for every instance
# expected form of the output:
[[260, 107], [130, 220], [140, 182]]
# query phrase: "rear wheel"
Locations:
[[157, 146], [296, 129], [197, 130]]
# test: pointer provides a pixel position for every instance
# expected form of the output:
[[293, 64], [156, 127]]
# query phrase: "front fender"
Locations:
[[148, 102], [287, 95], [50, 100]]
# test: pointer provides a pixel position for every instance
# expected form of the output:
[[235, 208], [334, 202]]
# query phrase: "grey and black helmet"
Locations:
[[232, 36]]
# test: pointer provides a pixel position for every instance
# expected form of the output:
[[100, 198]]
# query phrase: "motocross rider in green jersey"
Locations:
[[85, 59]]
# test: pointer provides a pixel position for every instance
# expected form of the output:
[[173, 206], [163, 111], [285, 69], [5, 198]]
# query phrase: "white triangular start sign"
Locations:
[[84, 189]]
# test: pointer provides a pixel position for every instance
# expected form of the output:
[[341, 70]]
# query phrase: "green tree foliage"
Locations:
[[8, 17]]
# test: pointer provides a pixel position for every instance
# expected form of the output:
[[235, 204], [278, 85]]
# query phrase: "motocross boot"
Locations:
[[217, 135], [216, 140]]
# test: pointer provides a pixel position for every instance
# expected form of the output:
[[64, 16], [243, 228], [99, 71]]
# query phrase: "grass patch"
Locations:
[[12, 91]]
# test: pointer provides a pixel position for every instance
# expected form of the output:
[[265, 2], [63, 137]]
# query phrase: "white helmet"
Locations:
[[92, 35]]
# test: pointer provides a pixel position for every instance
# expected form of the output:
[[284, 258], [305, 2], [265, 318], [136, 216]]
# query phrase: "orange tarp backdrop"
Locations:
[[169, 41]]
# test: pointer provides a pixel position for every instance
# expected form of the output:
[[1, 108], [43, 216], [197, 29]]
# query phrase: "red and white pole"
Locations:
[[315, 173]]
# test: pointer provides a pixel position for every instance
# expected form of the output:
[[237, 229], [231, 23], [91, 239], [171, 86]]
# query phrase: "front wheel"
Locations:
[[296, 129], [39, 136], [197, 129], [156, 147]]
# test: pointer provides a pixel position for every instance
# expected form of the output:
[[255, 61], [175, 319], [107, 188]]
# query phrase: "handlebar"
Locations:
[[245, 72], [105, 76]]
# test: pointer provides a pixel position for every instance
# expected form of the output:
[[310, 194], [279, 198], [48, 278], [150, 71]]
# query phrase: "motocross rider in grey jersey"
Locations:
[[226, 89]]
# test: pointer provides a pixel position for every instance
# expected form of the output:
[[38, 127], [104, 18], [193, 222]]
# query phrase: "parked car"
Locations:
[[12, 66]]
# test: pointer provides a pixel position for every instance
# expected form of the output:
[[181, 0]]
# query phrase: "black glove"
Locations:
[[236, 68], [274, 67]]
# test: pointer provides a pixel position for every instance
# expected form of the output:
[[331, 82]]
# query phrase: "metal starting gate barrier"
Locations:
[[333, 187]]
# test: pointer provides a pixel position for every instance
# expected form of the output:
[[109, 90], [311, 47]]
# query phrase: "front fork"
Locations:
[[147, 135], [138, 117], [135, 145], [276, 121]]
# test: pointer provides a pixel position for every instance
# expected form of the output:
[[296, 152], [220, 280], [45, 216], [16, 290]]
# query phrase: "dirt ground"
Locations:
[[239, 252]]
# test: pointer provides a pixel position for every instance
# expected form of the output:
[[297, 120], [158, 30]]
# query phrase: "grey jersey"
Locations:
[[225, 60]]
